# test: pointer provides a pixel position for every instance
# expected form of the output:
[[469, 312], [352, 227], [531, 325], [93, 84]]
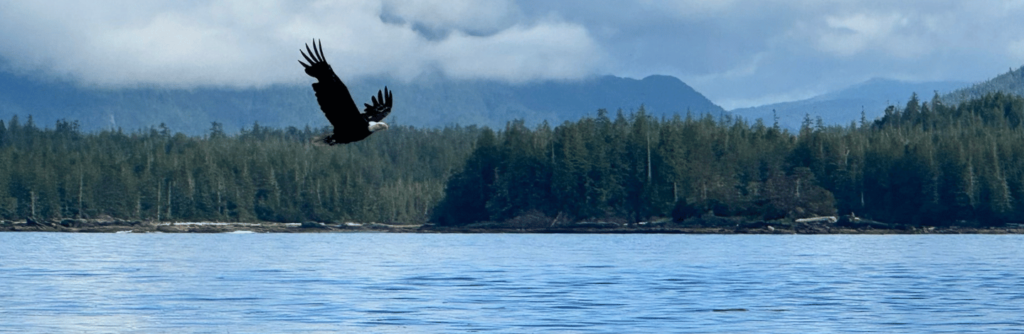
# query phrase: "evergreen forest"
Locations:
[[924, 163]]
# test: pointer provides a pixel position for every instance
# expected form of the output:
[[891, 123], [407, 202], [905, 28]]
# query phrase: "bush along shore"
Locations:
[[529, 223]]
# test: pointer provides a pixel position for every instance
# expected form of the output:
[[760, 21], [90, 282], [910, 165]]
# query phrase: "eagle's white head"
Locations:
[[375, 126]]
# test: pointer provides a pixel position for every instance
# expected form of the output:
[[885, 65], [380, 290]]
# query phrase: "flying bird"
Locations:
[[336, 102]]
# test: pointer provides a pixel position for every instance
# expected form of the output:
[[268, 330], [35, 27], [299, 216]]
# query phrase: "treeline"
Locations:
[[925, 163], [259, 174]]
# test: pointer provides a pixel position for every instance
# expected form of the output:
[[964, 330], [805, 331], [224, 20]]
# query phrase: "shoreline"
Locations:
[[127, 226]]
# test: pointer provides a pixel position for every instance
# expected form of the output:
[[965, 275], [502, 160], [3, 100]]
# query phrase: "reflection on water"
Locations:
[[360, 282]]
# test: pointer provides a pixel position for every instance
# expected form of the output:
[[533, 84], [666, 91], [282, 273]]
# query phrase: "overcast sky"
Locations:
[[738, 53]]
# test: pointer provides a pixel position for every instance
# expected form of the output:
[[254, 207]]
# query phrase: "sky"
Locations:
[[738, 53]]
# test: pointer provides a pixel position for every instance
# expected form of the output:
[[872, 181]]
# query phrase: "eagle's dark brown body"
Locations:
[[350, 125]]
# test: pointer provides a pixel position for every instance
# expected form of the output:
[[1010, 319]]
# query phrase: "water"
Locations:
[[509, 283]]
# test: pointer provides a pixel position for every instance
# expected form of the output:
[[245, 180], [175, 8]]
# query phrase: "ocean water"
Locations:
[[509, 283]]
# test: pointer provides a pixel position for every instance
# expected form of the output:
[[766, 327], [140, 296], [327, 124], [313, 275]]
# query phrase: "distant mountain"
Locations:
[[1011, 82], [845, 106], [425, 103]]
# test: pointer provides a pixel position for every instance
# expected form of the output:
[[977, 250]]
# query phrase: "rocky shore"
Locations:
[[715, 225], [723, 230]]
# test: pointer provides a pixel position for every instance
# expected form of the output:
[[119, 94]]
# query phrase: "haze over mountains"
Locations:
[[844, 106], [441, 102], [425, 103]]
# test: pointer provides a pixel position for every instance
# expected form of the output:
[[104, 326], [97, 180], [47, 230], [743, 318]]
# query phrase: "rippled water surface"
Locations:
[[431, 283]]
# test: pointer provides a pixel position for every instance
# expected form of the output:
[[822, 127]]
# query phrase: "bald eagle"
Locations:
[[335, 101]]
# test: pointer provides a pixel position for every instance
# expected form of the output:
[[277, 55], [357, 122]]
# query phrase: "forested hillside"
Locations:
[[1011, 82], [925, 163], [258, 174]]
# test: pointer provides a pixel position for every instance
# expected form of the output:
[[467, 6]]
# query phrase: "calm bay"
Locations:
[[514, 283]]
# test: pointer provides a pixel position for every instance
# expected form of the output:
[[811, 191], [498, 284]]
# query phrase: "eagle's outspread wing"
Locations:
[[334, 98], [381, 106], [336, 102]]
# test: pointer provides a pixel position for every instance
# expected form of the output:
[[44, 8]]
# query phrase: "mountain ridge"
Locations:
[[846, 105], [1011, 82], [424, 103]]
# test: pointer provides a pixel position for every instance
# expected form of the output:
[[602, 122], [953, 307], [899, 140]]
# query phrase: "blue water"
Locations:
[[511, 283]]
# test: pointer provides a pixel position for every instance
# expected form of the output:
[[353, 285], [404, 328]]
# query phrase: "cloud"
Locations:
[[519, 54], [811, 46], [849, 35], [735, 51], [896, 34], [1016, 49], [467, 16], [255, 43], [689, 9]]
